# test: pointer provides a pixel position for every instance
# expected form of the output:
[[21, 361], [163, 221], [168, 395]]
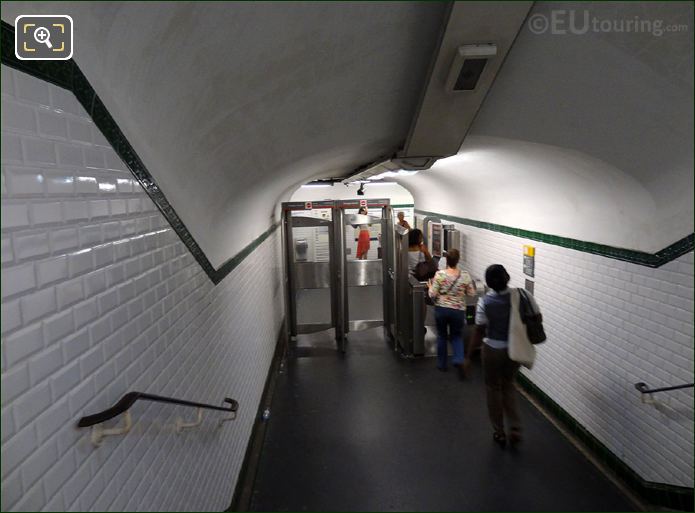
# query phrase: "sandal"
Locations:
[[515, 436], [499, 438]]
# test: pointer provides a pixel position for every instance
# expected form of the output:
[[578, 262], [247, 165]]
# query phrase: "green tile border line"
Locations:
[[675, 250], [67, 74], [659, 494]]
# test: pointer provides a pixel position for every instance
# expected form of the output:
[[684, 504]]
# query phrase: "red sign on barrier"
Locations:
[[307, 205], [363, 203]]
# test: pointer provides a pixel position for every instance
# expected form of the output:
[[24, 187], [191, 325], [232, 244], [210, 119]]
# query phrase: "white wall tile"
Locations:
[[55, 504], [80, 262], [75, 345], [80, 130], [11, 316], [18, 117], [11, 491], [36, 400], [14, 215], [14, 383], [7, 81], [11, 148], [31, 245], [85, 312], [39, 151], [90, 235], [64, 100], [75, 210], [60, 473], [128, 313], [64, 239], [117, 207], [45, 213], [8, 428], [69, 292], [98, 208], [94, 158], [32, 500], [45, 364], [16, 279], [59, 183], [7, 253], [22, 181], [17, 449], [57, 326], [28, 88], [21, 344], [52, 125], [65, 380], [38, 304], [70, 155], [601, 340], [86, 185], [51, 270]]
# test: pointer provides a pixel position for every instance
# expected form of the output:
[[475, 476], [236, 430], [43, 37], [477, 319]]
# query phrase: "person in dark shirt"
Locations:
[[492, 329]]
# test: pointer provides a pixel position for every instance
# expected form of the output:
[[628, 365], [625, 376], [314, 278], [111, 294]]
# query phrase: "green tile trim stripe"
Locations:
[[679, 248], [233, 262], [669, 496], [67, 74], [404, 205]]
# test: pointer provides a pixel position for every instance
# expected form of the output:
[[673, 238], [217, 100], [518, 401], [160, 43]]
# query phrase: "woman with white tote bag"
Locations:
[[505, 348]]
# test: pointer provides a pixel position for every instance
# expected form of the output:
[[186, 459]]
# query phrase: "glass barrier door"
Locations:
[[309, 266], [364, 248]]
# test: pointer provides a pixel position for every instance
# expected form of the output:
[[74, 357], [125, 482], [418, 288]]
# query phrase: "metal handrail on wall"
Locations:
[[644, 388], [124, 404]]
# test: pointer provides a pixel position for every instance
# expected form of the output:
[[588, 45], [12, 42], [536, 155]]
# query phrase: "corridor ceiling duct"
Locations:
[[474, 42]]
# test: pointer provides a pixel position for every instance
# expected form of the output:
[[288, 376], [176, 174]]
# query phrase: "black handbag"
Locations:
[[532, 319], [425, 270]]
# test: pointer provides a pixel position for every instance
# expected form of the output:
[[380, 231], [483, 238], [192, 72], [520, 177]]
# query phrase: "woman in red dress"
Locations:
[[363, 237]]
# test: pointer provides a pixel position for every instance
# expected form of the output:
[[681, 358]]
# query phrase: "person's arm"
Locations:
[[480, 327], [476, 340], [425, 251], [435, 285], [470, 286]]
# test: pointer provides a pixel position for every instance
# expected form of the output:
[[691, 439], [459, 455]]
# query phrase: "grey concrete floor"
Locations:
[[369, 430]]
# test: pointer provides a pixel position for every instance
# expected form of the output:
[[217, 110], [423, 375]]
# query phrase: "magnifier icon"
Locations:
[[43, 36]]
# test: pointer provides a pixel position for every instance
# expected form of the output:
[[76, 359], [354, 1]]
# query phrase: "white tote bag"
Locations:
[[520, 349]]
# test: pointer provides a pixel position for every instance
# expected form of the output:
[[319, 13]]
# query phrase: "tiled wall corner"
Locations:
[[100, 297], [610, 324]]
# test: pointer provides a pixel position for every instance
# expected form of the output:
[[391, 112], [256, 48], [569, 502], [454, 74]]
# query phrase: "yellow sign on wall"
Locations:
[[529, 251]]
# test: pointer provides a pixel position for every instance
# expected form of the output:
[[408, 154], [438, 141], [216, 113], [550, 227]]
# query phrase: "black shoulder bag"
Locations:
[[532, 320]]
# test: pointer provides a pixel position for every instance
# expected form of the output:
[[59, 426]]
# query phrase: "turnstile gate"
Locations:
[[328, 287]]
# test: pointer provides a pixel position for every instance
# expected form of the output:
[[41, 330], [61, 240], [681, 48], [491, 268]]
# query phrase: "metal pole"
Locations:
[[340, 264]]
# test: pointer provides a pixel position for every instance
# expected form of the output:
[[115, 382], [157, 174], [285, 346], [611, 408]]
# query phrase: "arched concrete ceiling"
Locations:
[[585, 136], [229, 104]]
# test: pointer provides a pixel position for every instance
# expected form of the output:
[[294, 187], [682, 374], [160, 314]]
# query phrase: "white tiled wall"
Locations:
[[610, 324], [99, 298]]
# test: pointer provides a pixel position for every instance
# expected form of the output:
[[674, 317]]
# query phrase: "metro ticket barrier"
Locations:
[[327, 288]]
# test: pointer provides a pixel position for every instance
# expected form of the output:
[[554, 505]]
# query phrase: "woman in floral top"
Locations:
[[448, 290]]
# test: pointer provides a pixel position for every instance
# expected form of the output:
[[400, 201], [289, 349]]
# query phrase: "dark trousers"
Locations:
[[500, 373], [449, 323]]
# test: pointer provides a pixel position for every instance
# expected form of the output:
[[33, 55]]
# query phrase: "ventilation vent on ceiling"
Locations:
[[468, 66]]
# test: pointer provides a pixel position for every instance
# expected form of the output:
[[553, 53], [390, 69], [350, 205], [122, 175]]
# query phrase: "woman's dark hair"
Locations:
[[496, 277], [362, 210], [414, 237], [452, 258]]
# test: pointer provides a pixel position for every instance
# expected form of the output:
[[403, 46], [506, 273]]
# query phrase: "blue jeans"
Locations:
[[451, 320]]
